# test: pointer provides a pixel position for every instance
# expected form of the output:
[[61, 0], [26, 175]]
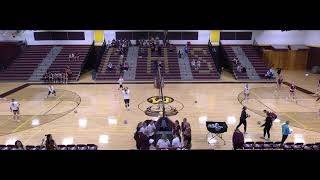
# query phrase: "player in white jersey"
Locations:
[[51, 91], [246, 91], [126, 97], [292, 92], [14, 108], [120, 81]]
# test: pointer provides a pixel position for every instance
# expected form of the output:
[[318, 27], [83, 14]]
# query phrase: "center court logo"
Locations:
[[158, 99]]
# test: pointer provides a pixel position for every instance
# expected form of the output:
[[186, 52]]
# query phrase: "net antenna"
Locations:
[[160, 80]]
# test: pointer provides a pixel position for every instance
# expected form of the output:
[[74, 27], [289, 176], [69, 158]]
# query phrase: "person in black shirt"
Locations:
[[279, 71], [243, 119], [267, 126]]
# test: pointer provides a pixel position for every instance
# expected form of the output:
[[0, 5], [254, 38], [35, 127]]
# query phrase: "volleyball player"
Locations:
[[279, 81], [317, 89], [15, 109], [126, 97], [120, 81], [292, 92], [51, 91], [246, 91]]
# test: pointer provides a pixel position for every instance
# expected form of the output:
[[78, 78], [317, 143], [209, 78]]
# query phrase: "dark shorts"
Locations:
[[53, 92], [15, 111], [126, 101]]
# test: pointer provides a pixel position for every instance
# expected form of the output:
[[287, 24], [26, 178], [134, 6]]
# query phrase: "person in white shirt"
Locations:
[[176, 142], [151, 129], [198, 64], [144, 128], [120, 81], [110, 66], [15, 109], [163, 143], [246, 91], [126, 97], [51, 91], [193, 64], [152, 147]]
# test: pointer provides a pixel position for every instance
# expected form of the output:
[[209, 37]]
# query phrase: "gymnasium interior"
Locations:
[[171, 75]]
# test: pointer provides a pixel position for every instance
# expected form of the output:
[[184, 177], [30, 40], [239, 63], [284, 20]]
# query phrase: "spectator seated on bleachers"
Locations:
[[186, 49], [157, 41], [109, 66], [235, 61], [180, 53], [113, 43], [72, 57], [125, 66], [198, 65], [77, 57], [193, 64], [239, 68], [121, 68], [45, 77], [270, 74], [243, 70]]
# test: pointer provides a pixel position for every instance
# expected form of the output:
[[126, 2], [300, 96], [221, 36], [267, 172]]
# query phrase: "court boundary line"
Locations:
[[14, 90], [64, 114]]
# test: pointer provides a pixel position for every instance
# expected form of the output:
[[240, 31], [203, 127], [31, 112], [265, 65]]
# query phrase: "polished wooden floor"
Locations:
[[101, 112]]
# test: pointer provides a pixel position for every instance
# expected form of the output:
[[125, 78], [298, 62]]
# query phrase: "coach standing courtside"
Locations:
[[243, 119], [285, 132]]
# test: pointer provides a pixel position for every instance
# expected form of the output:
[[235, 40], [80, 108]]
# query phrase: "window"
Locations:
[[154, 34], [235, 35], [140, 35], [124, 35], [45, 36], [189, 35], [227, 36]]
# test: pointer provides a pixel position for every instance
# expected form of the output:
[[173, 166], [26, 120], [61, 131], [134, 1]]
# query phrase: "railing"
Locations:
[[227, 64], [89, 56], [103, 49], [215, 57]]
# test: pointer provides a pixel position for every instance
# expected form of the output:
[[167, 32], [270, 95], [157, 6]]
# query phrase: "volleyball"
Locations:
[[306, 75]]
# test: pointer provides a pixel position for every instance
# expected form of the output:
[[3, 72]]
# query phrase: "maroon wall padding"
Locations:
[[313, 57]]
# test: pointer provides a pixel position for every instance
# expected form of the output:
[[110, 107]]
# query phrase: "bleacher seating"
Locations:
[[256, 60], [23, 67], [62, 60], [207, 70], [171, 70], [61, 147], [8, 52], [110, 55], [230, 55], [277, 146]]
